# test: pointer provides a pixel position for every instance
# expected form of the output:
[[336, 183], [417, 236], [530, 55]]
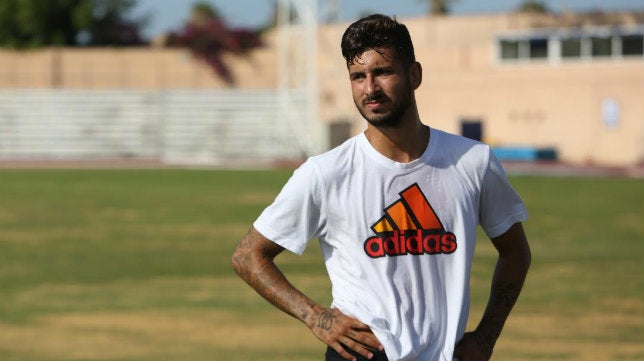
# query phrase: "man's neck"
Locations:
[[402, 144]]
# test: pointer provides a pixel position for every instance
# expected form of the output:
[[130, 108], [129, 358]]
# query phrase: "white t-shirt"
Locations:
[[398, 238]]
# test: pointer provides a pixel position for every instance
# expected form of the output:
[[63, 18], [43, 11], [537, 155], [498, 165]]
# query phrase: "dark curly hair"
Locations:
[[377, 31]]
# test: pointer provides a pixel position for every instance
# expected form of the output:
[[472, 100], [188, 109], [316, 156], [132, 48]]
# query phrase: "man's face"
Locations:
[[381, 87]]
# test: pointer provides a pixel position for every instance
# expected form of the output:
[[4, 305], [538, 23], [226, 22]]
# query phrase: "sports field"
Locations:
[[135, 265]]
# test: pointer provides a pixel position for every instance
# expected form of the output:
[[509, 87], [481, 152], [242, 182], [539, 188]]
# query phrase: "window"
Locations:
[[539, 48], [524, 49], [509, 49], [571, 48], [601, 46], [585, 44], [632, 45]]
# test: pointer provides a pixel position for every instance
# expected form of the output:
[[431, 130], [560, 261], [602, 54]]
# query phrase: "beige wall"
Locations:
[[536, 104], [128, 68]]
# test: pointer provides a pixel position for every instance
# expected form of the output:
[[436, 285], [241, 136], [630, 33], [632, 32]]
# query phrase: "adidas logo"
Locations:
[[409, 227]]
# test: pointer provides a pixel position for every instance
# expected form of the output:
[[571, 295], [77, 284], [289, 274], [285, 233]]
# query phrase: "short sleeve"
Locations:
[[295, 216], [501, 206]]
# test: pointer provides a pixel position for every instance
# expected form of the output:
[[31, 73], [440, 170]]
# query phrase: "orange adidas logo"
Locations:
[[409, 227]]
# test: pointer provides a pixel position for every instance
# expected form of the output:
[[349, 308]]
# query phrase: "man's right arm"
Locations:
[[253, 260]]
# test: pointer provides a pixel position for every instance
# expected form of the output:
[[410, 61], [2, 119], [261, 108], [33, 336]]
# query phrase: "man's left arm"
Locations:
[[509, 275]]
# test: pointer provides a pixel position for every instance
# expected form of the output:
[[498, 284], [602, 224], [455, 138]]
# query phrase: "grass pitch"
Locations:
[[135, 265]]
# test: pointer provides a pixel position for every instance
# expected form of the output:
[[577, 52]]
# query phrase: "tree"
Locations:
[[208, 38], [439, 7], [37, 23], [111, 26], [533, 6], [34, 23]]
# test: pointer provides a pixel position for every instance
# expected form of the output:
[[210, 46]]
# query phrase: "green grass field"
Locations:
[[135, 265]]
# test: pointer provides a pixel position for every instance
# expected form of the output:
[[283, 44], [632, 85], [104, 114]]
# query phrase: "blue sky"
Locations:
[[166, 15]]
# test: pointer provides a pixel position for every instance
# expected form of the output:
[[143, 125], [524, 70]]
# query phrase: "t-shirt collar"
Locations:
[[387, 162]]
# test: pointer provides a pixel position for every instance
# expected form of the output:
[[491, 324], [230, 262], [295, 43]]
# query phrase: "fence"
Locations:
[[177, 126]]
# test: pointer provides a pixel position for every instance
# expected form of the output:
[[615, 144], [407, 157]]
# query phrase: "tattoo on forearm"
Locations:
[[253, 260], [326, 319], [240, 257], [259, 271]]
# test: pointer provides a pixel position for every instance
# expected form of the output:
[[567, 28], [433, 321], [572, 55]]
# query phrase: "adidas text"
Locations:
[[410, 242]]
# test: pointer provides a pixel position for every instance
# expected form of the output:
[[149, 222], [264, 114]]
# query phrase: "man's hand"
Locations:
[[470, 348], [336, 329]]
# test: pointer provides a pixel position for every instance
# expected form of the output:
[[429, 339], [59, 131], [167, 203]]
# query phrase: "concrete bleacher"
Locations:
[[174, 126]]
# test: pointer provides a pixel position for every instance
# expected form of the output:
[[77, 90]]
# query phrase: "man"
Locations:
[[396, 210]]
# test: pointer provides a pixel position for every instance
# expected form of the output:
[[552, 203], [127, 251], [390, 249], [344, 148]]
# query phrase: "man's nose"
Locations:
[[371, 85]]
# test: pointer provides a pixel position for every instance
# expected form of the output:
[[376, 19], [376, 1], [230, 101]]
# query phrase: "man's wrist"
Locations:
[[314, 315], [486, 338]]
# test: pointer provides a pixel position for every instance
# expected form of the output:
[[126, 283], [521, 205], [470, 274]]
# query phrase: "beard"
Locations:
[[390, 118]]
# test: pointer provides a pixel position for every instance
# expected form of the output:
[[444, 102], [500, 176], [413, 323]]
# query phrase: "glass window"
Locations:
[[571, 48], [632, 44], [538, 48], [509, 49], [601, 46]]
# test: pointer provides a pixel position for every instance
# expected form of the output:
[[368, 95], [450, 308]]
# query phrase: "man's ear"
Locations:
[[415, 75]]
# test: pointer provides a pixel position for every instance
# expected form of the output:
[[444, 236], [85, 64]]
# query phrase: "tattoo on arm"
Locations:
[[326, 319], [253, 260], [240, 259]]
